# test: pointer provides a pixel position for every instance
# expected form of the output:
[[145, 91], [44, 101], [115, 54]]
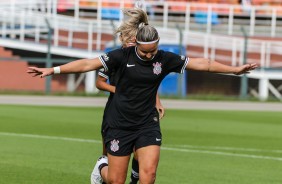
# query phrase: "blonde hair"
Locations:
[[133, 19]]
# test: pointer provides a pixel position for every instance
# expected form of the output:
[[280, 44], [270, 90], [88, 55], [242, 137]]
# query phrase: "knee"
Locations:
[[116, 180], [148, 175]]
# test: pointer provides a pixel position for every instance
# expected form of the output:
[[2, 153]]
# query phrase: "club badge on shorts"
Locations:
[[114, 145], [157, 68]]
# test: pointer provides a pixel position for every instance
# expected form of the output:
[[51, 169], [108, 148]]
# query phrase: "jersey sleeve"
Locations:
[[176, 63], [103, 73], [112, 59]]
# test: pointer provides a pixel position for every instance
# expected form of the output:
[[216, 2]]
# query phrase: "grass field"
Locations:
[[60, 145]]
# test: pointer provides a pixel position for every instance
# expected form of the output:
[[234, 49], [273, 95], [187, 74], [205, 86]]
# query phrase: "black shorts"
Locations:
[[104, 128], [122, 142]]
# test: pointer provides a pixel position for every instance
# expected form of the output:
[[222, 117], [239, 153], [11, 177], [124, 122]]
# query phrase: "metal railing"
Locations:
[[266, 53], [202, 17], [209, 18]]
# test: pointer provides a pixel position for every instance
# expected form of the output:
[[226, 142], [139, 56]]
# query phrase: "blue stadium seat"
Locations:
[[173, 48], [202, 17], [170, 84], [110, 13]]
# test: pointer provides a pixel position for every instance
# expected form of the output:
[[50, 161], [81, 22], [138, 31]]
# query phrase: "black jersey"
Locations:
[[110, 76], [107, 75], [133, 105]]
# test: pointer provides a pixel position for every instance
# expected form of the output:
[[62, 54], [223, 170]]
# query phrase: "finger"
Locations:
[[32, 68], [253, 66], [36, 74], [158, 109], [161, 113], [32, 72], [43, 75], [162, 116]]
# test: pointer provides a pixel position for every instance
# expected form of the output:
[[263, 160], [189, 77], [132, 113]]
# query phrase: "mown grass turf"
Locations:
[[199, 147]]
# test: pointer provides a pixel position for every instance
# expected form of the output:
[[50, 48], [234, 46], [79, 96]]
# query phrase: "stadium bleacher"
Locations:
[[83, 30]]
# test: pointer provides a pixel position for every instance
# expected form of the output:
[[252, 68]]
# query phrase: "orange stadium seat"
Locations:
[[179, 7], [110, 4]]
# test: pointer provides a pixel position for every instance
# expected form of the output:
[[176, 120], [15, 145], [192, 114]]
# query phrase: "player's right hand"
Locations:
[[42, 72]]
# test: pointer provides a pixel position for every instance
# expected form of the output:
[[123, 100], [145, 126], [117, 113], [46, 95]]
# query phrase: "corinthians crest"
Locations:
[[114, 145], [157, 68]]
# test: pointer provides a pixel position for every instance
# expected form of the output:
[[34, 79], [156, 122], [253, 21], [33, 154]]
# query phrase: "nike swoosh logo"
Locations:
[[129, 65], [158, 139]]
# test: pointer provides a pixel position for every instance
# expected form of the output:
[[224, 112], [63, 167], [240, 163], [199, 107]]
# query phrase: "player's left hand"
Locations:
[[246, 68]]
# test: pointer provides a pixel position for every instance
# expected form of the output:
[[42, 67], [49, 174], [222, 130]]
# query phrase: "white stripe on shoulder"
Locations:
[[103, 63], [184, 65], [103, 75]]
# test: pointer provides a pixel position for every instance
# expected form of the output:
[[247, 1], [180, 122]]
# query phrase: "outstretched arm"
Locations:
[[160, 107], [202, 64], [101, 84], [78, 66]]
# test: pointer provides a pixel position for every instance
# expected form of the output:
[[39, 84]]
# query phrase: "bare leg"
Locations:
[[116, 172], [148, 158], [134, 176]]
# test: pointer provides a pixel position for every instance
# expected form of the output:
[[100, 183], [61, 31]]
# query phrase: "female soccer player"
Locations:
[[131, 116], [127, 34]]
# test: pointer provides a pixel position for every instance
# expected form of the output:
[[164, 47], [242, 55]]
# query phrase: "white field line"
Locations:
[[223, 153], [225, 148], [163, 148], [49, 137]]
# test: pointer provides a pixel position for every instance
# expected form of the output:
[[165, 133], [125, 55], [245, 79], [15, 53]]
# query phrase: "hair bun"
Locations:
[[142, 24]]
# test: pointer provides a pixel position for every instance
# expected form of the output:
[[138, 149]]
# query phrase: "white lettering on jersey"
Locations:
[[105, 57]]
